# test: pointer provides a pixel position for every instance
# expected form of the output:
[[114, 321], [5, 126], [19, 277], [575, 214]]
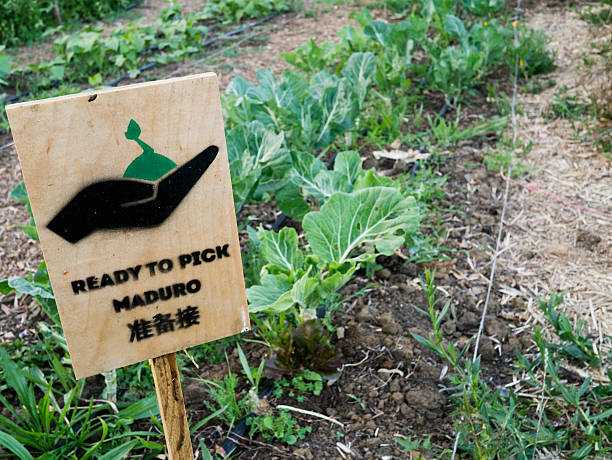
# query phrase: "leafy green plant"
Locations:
[[237, 10], [57, 423], [498, 423], [283, 427], [534, 57], [568, 107], [483, 8], [26, 21]]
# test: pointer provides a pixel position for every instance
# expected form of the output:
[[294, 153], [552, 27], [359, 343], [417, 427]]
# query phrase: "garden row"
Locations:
[[91, 55], [297, 142]]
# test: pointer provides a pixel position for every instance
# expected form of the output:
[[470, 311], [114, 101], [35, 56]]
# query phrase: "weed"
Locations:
[[56, 421], [283, 427], [573, 418], [502, 157], [358, 400], [567, 107], [27, 21]]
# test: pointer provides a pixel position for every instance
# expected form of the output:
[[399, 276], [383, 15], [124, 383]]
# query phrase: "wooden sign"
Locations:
[[131, 193]]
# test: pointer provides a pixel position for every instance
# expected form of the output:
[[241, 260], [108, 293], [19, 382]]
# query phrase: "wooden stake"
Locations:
[[172, 407]]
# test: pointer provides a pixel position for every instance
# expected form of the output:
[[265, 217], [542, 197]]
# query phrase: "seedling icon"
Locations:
[[148, 165]]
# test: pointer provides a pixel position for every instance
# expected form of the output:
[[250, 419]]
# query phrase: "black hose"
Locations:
[[229, 445]]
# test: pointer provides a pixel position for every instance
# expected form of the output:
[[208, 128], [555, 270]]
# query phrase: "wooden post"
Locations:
[[172, 407]]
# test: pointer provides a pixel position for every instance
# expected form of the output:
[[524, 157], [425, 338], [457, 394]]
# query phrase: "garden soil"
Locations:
[[390, 386]]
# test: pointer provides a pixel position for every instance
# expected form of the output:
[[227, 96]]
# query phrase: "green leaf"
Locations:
[[348, 165], [454, 26], [290, 201], [375, 217], [5, 64], [359, 70], [281, 249], [30, 231], [119, 452], [204, 450], [23, 286], [20, 193], [379, 31], [57, 72], [272, 294], [14, 446], [5, 288], [303, 290]]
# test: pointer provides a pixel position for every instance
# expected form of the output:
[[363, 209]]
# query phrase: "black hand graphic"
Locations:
[[129, 203]]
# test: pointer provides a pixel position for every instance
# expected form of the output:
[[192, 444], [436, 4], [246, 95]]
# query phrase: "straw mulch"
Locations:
[[549, 245]]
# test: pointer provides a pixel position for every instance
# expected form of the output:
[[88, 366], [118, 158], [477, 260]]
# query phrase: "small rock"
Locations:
[[384, 274], [397, 397], [373, 394], [467, 321], [494, 327], [404, 409], [395, 385], [340, 333], [364, 314], [486, 349], [388, 324], [409, 269], [194, 393]]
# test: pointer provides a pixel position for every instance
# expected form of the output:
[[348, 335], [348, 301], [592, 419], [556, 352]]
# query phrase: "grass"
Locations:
[[569, 416]]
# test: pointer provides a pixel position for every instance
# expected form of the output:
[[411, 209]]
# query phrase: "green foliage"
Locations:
[[534, 57], [499, 423], [283, 427], [237, 10], [93, 55], [225, 395], [296, 115], [25, 21], [483, 8], [57, 422], [568, 107], [457, 68], [574, 344]]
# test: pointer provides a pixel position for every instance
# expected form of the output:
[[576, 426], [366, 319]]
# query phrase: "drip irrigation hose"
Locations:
[[150, 65], [229, 445]]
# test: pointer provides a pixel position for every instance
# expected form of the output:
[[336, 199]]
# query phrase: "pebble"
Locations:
[[389, 325]]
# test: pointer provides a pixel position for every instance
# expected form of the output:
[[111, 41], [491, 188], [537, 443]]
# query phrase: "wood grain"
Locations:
[[172, 407], [66, 144]]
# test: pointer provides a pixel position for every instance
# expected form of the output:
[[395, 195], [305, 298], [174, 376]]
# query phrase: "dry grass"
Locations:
[[551, 246]]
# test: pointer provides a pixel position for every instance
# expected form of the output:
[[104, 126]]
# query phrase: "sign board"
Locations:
[[131, 193]]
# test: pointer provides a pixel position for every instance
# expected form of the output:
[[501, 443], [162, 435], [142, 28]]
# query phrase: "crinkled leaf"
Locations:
[[23, 286], [348, 221], [359, 70], [454, 26], [290, 201], [273, 295], [281, 249]]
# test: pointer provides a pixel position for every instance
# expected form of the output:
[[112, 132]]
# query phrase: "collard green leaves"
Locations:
[[348, 226]]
